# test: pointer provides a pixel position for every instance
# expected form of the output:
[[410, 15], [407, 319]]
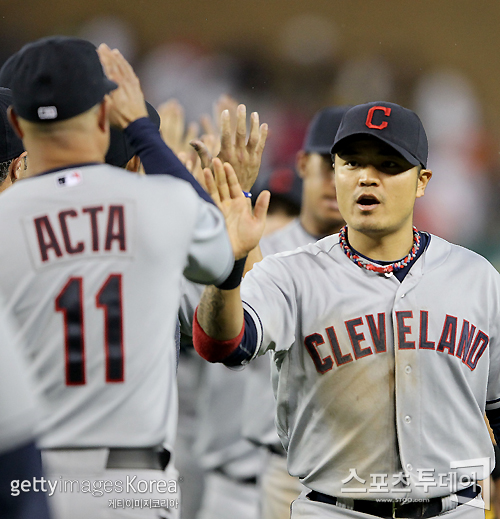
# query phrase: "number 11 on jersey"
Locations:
[[70, 303]]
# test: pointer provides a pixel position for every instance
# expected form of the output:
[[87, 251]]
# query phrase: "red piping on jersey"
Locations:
[[211, 349]]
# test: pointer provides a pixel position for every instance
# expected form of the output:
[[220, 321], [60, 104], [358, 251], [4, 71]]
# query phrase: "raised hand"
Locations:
[[245, 227], [245, 156], [173, 128], [127, 101]]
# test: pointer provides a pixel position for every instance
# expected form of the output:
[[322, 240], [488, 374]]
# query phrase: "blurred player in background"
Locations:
[[95, 285], [319, 217], [231, 463], [19, 458], [13, 161], [285, 187]]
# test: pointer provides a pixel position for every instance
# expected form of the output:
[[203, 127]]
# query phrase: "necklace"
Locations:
[[382, 269]]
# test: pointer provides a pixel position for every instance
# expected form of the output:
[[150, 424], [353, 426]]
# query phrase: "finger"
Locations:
[[253, 140], [202, 151], [106, 58], [261, 206], [264, 130], [124, 66], [241, 126], [198, 173], [220, 180], [211, 187], [212, 143], [232, 181], [226, 140], [226, 102]]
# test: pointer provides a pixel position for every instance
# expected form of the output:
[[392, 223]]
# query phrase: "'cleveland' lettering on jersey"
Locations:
[[465, 344], [75, 237]]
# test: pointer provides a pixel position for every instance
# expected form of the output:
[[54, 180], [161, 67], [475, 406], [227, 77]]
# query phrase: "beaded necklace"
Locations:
[[382, 269]]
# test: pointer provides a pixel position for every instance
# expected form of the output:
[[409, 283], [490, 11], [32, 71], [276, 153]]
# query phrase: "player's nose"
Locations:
[[369, 176]]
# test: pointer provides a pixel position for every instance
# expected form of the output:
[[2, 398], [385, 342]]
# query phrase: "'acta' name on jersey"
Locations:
[[112, 229], [468, 344]]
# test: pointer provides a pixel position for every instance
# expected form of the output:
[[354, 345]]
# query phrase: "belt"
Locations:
[[395, 509], [251, 480], [148, 458], [276, 449]]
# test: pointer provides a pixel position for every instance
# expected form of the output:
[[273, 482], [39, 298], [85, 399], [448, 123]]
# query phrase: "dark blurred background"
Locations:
[[288, 58]]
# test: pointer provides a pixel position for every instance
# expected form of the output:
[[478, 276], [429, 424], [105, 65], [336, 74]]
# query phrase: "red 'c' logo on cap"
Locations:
[[387, 112]]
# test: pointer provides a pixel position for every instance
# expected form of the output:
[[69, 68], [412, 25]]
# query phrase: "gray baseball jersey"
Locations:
[[95, 286], [259, 407], [381, 385], [17, 401]]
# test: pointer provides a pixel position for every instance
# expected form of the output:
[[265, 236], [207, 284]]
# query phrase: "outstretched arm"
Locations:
[[218, 326]]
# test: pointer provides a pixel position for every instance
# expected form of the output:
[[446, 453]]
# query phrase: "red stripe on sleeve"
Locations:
[[212, 349]]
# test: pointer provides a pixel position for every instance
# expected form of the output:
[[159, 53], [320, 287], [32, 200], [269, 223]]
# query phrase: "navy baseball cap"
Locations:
[[120, 151], [398, 127], [322, 130], [11, 146], [55, 78]]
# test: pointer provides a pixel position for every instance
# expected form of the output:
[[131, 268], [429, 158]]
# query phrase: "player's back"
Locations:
[[94, 257]]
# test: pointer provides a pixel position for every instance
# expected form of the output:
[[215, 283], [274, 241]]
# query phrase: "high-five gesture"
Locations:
[[244, 155], [244, 227], [127, 101]]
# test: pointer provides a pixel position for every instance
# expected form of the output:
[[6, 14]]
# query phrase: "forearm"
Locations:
[[220, 313], [254, 256]]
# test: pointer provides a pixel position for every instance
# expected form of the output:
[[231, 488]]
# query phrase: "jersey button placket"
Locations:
[[404, 362]]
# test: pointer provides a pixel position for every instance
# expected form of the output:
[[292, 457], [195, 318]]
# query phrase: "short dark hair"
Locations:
[[4, 170]]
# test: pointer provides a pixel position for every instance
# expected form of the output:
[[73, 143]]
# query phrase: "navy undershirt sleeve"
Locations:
[[493, 416], [156, 157], [23, 463], [247, 346]]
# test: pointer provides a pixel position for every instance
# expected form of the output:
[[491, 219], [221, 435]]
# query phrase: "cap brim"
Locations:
[[109, 85], [405, 154], [322, 150]]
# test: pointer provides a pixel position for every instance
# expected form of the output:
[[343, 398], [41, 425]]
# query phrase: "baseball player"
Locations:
[[96, 282], [384, 338], [319, 217], [12, 155], [19, 459]]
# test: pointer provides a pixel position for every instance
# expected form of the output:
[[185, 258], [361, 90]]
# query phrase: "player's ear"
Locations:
[[423, 179], [301, 163], [14, 122], [103, 114], [17, 167], [134, 164]]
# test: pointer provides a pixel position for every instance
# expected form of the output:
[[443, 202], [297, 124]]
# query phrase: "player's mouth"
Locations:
[[367, 202]]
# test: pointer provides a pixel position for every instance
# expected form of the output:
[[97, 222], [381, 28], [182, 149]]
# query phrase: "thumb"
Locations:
[[203, 153], [261, 206]]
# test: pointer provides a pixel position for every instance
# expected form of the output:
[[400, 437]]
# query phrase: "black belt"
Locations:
[[148, 458], [392, 509], [251, 480], [276, 449]]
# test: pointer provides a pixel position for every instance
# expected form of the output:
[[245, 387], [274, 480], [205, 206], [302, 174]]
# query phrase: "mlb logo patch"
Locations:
[[71, 178]]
